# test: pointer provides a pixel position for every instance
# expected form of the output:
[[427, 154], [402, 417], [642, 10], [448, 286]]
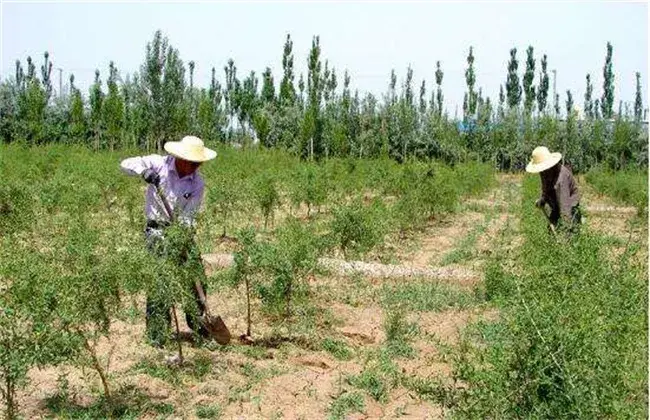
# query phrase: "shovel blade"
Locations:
[[216, 328]]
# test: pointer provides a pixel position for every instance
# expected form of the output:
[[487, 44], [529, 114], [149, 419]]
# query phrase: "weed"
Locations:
[[346, 403], [211, 411], [426, 296], [337, 348], [464, 249], [399, 333]]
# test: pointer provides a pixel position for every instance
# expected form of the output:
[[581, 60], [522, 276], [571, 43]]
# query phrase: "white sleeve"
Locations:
[[137, 165]]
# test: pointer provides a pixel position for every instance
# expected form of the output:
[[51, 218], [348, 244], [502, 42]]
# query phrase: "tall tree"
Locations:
[[113, 109], [502, 101], [470, 79], [96, 107], [513, 88], [248, 101], [312, 127], [192, 100], [607, 101], [301, 89], [392, 87], [287, 90], [46, 75], [542, 91], [77, 121], [152, 74], [569, 103], [529, 75], [439, 98], [268, 88], [557, 105], [231, 93], [638, 102], [423, 102], [175, 111], [597, 109], [589, 106]]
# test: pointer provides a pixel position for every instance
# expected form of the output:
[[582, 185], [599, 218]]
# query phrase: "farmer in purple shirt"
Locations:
[[182, 186]]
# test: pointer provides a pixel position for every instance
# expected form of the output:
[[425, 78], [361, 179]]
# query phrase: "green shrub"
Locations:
[[629, 186], [358, 228]]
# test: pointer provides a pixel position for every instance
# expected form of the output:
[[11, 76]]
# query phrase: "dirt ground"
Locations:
[[308, 369]]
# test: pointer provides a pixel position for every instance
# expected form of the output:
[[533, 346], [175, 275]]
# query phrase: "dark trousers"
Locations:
[[158, 311]]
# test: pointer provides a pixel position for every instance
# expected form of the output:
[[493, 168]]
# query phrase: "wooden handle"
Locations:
[[202, 298], [168, 208]]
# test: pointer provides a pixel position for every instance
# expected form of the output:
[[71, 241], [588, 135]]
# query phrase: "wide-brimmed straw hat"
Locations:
[[190, 148], [542, 159]]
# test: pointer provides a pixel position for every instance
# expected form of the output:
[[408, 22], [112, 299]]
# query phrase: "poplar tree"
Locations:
[[513, 88], [439, 97], [589, 106], [638, 102], [529, 75], [607, 101], [542, 91]]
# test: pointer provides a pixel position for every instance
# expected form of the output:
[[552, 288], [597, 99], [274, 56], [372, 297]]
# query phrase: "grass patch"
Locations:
[[398, 334], [337, 348], [427, 296], [630, 187], [197, 368], [344, 404], [127, 403], [210, 411], [379, 376], [465, 248]]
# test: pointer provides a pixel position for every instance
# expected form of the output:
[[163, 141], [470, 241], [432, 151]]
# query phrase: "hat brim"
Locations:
[[176, 149], [535, 168]]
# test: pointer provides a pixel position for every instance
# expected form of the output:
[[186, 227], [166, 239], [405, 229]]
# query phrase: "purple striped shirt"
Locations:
[[184, 195]]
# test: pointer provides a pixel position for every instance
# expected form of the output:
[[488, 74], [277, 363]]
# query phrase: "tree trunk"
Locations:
[[248, 307], [178, 336], [97, 366]]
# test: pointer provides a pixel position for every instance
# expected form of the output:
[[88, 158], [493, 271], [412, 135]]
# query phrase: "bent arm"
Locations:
[[137, 165]]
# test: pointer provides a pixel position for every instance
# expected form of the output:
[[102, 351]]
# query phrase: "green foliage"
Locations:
[[572, 336], [638, 101], [344, 404], [356, 228], [266, 196], [398, 333], [607, 100], [337, 348], [285, 265], [324, 119], [630, 187], [513, 88], [309, 187], [427, 296], [542, 90], [211, 411], [529, 76]]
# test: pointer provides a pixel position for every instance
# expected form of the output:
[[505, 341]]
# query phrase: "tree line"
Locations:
[[320, 116]]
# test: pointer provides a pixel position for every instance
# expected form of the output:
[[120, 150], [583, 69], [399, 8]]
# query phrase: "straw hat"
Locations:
[[542, 159], [190, 148]]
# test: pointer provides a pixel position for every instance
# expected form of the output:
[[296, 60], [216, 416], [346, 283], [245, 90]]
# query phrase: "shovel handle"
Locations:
[[168, 208], [202, 298], [197, 284], [548, 219]]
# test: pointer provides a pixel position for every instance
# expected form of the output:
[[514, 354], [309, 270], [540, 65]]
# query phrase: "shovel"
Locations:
[[214, 325], [548, 219]]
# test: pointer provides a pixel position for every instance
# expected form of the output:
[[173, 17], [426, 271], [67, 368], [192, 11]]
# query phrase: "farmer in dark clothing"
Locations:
[[559, 189], [183, 187]]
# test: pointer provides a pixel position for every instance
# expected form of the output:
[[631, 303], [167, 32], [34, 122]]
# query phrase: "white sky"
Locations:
[[367, 38]]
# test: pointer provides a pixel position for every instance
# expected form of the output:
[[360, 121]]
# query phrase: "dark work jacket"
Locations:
[[560, 192]]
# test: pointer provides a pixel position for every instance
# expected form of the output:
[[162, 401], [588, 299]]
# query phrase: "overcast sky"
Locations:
[[368, 39]]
